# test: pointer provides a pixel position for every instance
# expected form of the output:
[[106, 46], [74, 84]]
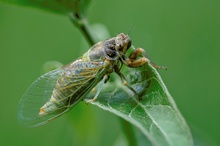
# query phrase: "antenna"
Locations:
[[130, 28]]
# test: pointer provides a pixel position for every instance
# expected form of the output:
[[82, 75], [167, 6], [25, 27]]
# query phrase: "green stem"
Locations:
[[82, 24]]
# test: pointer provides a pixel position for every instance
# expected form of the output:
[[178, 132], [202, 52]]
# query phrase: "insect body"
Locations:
[[55, 92]]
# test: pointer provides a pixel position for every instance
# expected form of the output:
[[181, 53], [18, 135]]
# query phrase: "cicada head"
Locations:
[[122, 43], [116, 47]]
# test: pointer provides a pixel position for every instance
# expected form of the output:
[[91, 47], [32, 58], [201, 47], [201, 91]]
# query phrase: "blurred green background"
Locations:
[[182, 35]]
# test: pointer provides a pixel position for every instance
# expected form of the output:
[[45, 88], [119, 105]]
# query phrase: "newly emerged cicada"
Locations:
[[57, 91]]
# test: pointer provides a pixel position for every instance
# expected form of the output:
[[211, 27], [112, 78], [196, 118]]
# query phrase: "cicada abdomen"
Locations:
[[75, 80], [54, 93]]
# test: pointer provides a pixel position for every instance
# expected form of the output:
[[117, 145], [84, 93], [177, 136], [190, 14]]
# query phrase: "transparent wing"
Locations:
[[35, 97], [41, 90]]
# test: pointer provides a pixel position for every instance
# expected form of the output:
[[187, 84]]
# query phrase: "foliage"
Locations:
[[156, 115], [55, 6]]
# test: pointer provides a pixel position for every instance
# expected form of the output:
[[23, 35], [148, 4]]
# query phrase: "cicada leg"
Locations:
[[133, 61], [99, 89], [125, 82]]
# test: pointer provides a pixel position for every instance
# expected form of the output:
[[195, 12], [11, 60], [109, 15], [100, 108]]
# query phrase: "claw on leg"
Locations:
[[157, 66]]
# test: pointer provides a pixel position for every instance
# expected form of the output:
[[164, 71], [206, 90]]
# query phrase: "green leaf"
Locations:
[[156, 115], [56, 6]]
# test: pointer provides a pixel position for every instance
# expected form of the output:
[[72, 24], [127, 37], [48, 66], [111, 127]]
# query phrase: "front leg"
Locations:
[[134, 61]]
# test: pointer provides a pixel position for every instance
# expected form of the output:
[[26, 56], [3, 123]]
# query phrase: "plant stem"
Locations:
[[82, 24]]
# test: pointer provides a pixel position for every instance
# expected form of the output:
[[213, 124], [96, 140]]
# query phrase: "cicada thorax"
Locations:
[[74, 81], [95, 53], [101, 51]]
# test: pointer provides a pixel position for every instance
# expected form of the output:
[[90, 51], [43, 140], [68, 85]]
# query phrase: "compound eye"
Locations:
[[111, 47], [120, 48]]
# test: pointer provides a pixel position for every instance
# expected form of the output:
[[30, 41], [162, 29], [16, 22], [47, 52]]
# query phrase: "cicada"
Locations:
[[57, 91]]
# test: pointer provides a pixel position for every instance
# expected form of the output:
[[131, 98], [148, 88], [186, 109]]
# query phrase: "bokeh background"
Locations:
[[183, 35]]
